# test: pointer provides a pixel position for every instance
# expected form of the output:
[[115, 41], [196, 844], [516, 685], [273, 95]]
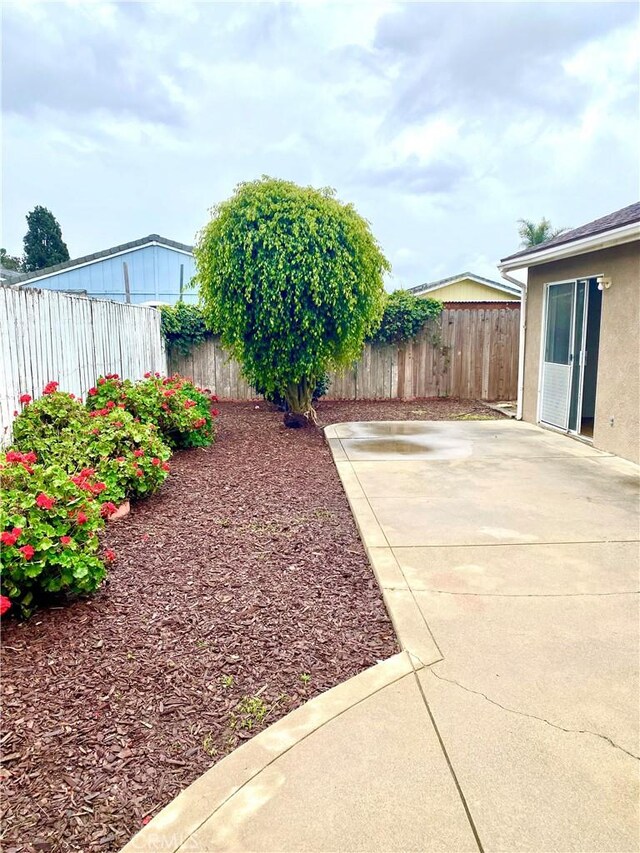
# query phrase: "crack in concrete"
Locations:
[[518, 594], [533, 716]]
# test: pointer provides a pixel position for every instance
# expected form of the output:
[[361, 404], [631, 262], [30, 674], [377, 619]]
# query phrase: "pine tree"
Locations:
[[43, 243]]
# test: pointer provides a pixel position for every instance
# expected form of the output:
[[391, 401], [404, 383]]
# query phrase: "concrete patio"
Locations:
[[508, 557]]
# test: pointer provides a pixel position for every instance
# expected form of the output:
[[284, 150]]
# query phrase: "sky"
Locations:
[[443, 123]]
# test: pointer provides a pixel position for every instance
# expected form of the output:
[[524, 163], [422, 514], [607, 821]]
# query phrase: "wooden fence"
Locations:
[[50, 336], [470, 353]]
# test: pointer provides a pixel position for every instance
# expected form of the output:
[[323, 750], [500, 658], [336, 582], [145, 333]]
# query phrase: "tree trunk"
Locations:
[[298, 397]]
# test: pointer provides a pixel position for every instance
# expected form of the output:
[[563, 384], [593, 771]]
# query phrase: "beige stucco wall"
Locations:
[[618, 383], [467, 290]]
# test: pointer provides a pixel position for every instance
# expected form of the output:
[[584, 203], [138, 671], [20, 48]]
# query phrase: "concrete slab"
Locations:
[[570, 659], [540, 569], [372, 779], [533, 787], [521, 549], [486, 501]]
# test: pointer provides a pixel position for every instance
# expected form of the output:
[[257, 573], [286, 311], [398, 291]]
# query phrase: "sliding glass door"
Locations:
[[564, 354]]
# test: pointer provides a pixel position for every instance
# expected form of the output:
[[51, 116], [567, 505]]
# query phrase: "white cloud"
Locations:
[[442, 123]]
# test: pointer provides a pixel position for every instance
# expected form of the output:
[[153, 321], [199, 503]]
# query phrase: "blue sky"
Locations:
[[442, 123]]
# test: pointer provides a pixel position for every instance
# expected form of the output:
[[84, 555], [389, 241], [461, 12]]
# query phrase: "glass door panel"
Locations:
[[557, 363], [577, 353]]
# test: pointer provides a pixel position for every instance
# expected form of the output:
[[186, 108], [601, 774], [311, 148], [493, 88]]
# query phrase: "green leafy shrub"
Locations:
[[49, 527], [293, 279], [128, 457], [181, 412], [404, 317], [183, 326]]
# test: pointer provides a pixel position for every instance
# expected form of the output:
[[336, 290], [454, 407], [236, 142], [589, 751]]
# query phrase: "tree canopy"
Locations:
[[43, 243], [533, 233], [9, 262], [293, 278]]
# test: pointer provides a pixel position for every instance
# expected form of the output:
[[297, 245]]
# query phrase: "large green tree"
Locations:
[[43, 243], [293, 278], [533, 233]]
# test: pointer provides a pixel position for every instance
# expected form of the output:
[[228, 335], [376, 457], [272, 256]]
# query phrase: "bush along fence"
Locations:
[[73, 464], [468, 353], [49, 336]]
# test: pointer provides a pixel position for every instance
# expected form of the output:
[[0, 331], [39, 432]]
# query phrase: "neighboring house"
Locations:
[[153, 268], [470, 288], [580, 352], [9, 276]]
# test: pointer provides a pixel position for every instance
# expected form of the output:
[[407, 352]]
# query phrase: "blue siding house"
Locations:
[[150, 269]]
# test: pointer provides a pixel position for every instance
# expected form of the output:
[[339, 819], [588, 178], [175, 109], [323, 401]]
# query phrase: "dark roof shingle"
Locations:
[[624, 216]]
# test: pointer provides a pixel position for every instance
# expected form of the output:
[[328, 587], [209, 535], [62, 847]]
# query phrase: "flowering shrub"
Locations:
[[117, 450], [182, 412], [49, 525]]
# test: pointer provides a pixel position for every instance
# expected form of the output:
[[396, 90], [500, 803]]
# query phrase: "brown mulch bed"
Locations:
[[243, 578]]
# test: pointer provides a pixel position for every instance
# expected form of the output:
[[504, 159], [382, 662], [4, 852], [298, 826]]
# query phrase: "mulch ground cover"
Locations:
[[240, 591]]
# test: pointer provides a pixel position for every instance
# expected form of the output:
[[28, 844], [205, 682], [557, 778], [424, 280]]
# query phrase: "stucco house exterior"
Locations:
[[469, 289], [148, 270], [580, 336]]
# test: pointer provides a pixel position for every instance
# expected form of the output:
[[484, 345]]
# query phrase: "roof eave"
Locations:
[[593, 243]]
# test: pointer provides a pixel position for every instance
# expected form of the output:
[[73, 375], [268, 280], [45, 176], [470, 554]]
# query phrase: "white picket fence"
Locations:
[[49, 336]]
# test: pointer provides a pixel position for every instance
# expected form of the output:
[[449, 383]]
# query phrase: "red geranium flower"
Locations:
[[92, 392], [44, 502], [165, 466], [108, 508], [155, 461], [50, 387], [147, 375], [109, 555], [5, 604], [101, 381], [7, 538], [120, 459], [27, 551], [111, 404], [139, 472], [25, 398], [66, 540], [138, 453], [82, 518], [98, 487], [215, 413], [188, 404]]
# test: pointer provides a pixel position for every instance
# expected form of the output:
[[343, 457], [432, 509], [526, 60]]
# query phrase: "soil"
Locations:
[[240, 591]]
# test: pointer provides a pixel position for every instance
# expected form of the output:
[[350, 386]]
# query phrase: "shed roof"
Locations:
[[152, 239], [444, 282]]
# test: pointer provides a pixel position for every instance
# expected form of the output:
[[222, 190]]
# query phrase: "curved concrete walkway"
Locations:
[[508, 557]]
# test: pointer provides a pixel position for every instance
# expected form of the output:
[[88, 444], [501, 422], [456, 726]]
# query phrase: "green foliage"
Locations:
[[49, 541], [533, 233], [181, 412], [321, 388], [118, 450], [43, 243], [405, 316], [10, 262], [183, 326], [293, 279]]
